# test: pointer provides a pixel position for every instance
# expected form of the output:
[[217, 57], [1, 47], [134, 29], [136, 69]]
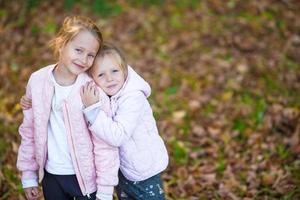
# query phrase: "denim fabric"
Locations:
[[149, 189]]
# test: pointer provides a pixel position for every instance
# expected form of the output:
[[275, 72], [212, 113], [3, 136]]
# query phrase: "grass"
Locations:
[[180, 152]]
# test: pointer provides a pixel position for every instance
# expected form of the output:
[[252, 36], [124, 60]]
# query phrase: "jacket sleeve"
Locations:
[[107, 166], [118, 129], [26, 161]]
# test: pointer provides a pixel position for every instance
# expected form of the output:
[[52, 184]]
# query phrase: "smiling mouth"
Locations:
[[111, 86], [80, 66]]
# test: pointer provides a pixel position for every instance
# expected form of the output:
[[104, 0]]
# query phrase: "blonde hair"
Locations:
[[70, 28], [110, 49]]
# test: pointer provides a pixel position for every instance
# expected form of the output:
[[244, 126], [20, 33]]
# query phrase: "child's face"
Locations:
[[79, 53], [108, 75]]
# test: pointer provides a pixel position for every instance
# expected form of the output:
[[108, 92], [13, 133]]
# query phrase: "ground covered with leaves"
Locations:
[[225, 78]]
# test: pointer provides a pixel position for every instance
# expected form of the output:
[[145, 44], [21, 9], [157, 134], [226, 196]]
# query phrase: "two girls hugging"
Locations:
[[88, 126]]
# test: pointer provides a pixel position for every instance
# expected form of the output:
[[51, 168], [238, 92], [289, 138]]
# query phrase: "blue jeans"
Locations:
[[149, 189], [63, 187]]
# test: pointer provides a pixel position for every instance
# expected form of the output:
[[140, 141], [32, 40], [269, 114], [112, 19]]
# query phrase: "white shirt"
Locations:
[[59, 158]]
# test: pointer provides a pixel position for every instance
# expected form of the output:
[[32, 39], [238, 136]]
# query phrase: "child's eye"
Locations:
[[115, 70], [100, 75], [78, 50], [91, 56]]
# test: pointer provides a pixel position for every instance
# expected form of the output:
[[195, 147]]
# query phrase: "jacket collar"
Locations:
[[49, 85]]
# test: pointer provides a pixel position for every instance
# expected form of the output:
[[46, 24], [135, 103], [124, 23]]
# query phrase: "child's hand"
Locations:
[[32, 193], [89, 94], [25, 102]]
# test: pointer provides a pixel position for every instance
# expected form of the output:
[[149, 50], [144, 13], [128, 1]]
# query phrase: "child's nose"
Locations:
[[109, 77], [84, 59]]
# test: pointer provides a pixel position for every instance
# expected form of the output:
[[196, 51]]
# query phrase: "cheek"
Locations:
[[98, 82], [90, 62], [87, 68], [70, 54], [122, 79]]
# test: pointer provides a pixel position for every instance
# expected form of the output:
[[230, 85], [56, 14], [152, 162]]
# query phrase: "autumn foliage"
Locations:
[[225, 78]]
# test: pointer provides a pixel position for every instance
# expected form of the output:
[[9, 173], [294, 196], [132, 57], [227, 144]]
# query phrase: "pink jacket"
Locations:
[[96, 163], [131, 126]]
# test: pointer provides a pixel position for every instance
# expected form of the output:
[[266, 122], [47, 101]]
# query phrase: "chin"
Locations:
[[78, 71], [110, 93]]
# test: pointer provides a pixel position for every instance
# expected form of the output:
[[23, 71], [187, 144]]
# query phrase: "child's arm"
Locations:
[[26, 162], [106, 156], [107, 166], [115, 131]]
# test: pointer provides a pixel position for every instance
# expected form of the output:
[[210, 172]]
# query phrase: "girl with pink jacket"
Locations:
[[57, 149], [128, 124], [124, 119]]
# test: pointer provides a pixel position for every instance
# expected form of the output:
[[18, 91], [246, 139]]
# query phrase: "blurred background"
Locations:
[[225, 78]]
